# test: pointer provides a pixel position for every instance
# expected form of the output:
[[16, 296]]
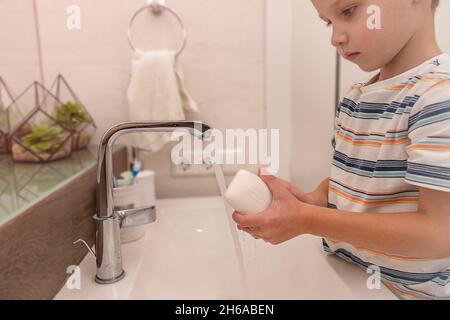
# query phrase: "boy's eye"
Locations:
[[348, 12], [328, 23]]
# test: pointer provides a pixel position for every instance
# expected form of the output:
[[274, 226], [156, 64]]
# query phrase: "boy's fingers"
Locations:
[[263, 174], [246, 220], [300, 195], [271, 180], [277, 186]]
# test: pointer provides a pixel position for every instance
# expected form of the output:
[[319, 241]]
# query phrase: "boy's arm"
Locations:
[[423, 234], [319, 197]]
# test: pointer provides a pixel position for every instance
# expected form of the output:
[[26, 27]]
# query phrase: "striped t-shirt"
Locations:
[[392, 137]]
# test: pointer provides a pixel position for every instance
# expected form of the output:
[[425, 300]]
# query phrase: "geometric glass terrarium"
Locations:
[[70, 112], [39, 137], [8, 115]]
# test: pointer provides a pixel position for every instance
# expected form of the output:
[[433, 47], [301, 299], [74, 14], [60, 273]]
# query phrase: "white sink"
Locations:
[[189, 254]]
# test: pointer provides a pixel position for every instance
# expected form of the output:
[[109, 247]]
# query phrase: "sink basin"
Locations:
[[189, 254]]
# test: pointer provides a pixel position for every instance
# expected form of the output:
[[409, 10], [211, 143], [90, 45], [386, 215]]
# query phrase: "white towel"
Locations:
[[156, 93]]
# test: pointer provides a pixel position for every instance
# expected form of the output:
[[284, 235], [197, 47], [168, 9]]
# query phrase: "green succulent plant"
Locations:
[[43, 138], [70, 115]]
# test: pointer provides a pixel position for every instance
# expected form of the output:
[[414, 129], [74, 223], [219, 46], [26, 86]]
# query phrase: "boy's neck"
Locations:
[[420, 48]]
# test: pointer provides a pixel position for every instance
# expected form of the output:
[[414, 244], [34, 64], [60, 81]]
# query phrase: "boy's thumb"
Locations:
[[280, 186], [300, 195], [274, 185]]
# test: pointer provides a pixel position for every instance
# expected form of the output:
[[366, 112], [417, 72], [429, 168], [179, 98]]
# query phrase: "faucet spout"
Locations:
[[137, 217], [109, 258]]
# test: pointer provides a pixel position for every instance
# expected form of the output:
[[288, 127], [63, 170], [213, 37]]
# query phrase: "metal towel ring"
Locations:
[[156, 11]]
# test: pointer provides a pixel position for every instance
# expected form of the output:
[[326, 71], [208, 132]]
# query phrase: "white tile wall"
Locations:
[[19, 63], [313, 98], [223, 62]]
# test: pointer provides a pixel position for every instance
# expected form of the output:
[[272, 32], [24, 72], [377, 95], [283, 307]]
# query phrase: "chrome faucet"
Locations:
[[107, 245]]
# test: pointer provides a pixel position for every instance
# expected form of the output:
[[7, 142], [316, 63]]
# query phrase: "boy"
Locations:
[[387, 201]]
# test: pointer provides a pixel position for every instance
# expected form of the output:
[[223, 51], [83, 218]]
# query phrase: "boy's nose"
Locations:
[[338, 38]]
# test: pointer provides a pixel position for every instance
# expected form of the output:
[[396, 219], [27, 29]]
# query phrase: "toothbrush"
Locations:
[[137, 166], [126, 176]]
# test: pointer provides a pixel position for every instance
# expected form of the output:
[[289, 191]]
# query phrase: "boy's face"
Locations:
[[356, 34]]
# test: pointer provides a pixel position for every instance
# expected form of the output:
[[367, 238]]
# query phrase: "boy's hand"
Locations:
[[300, 195], [284, 219]]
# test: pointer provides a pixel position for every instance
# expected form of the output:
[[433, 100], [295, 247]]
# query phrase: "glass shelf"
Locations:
[[24, 185]]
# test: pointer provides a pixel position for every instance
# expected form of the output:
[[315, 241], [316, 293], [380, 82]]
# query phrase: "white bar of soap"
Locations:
[[248, 194]]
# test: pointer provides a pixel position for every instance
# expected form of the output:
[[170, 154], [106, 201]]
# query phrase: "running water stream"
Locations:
[[237, 245]]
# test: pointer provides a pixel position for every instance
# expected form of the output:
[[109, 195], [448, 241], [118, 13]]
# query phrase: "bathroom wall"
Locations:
[[19, 64], [223, 62], [313, 97]]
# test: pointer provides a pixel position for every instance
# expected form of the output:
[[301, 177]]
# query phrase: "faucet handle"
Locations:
[[136, 217], [86, 245]]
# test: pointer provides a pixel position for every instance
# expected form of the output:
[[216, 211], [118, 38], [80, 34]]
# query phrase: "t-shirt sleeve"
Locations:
[[428, 163], [336, 127]]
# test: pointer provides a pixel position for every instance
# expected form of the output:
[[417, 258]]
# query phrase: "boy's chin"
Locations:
[[368, 68], [367, 64]]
